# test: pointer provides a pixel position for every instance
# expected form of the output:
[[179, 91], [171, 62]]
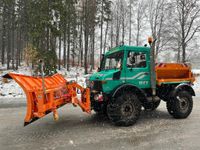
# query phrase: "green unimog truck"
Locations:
[[128, 79]]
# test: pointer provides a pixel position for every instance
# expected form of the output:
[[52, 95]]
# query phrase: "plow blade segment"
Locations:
[[45, 95], [40, 99]]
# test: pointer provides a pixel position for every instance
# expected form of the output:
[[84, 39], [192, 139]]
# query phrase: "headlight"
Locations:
[[98, 97]]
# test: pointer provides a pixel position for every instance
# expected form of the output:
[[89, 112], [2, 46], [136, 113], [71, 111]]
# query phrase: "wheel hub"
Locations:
[[183, 103], [127, 109]]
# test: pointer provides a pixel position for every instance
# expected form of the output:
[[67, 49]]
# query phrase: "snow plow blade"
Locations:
[[45, 95]]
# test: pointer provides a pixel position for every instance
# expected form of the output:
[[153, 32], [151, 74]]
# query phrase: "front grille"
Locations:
[[97, 86]]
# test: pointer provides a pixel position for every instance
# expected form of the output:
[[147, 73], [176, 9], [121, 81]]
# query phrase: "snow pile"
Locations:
[[197, 86], [75, 74], [12, 89], [196, 72]]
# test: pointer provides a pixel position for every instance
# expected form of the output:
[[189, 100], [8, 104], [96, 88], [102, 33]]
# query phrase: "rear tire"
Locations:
[[180, 106], [124, 110]]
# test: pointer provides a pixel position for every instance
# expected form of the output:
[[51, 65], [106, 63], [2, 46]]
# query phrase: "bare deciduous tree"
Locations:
[[140, 16], [188, 12], [157, 19]]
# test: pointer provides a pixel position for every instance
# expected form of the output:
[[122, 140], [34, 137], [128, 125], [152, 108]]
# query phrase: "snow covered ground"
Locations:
[[12, 89]]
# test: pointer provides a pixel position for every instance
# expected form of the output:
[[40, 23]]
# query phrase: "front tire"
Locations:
[[180, 106], [124, 110]]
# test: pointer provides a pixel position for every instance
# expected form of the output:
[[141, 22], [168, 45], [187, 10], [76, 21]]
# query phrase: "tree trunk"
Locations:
[[117, 27], [86, 52], [21, 45], [183, 52], [64, 52], [80, 43], [18, 50], [13, 40], [105, 40], [3, 37], [123, 30], [86, 33], [111, 34], [93, 46], [59, 53], [138, 31], [130, 17], [74, 47], [3, 44], [68, 47], [9, 48], [101, 38], [179, 55], [92, 50]]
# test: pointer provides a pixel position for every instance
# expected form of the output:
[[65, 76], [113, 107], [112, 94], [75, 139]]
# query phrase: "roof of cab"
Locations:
[[125, 47]]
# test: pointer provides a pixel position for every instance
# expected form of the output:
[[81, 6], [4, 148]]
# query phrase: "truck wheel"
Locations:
[[169, 104], [180, 106], [151, 106], [124, 110]]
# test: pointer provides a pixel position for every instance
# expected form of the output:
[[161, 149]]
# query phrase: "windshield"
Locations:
[[112, 61]]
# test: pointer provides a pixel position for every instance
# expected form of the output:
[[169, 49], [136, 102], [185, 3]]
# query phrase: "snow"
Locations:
[[197, 86], [11, 89], [196, 71]]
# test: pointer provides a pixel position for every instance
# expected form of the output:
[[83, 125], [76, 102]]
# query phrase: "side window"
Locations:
[[136, 60]]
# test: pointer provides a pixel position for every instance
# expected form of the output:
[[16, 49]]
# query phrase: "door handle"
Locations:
[[146, 73]]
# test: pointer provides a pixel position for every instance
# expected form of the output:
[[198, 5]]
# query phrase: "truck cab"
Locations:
[[124, 79], [123, 65]]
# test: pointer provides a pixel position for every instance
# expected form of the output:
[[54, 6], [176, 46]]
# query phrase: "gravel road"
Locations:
[[78, 131]]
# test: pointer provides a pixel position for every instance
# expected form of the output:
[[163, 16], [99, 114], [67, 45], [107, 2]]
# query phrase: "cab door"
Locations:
[[138, 69]]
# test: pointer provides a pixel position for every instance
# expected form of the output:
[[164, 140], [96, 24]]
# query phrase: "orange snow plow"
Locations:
[[45, 95]]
